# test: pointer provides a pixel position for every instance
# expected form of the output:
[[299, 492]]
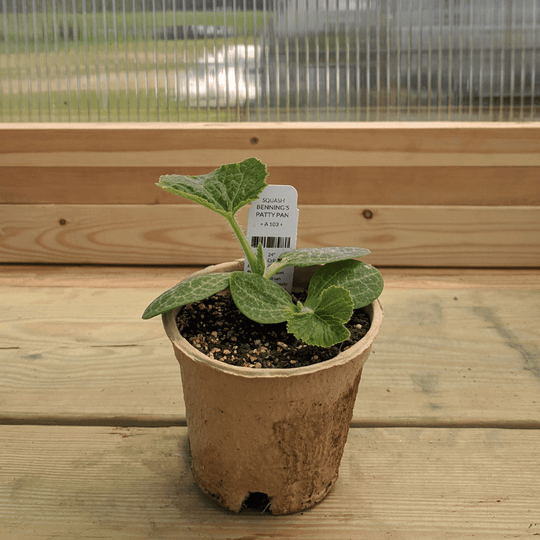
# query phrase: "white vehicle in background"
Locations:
[[441, 51], [226, 78], [341, 53]]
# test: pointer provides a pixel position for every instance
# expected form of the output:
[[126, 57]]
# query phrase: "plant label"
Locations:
[[273, 223]]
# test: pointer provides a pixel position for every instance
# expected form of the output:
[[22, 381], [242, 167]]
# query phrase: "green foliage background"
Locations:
[[94, 65]]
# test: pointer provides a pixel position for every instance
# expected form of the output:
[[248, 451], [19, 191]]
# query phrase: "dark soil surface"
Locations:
[[217, 328]]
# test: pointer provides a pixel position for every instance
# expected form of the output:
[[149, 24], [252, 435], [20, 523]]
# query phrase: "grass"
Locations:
[[37, 31], [108, 102], [111, 69], [116, 106]]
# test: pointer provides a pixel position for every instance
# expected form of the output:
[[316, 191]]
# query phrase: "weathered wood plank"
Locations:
[[291, 145], [444, 357], [334, 185], [186, 234], [74, 482]]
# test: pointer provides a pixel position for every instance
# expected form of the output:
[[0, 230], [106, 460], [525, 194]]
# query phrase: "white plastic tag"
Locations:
[[273, 223]]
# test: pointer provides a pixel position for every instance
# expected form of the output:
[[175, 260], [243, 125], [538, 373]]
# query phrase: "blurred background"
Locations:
[[269, 60]]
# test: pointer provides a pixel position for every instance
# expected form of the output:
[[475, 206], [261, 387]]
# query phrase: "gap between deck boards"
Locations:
[[167, 421]]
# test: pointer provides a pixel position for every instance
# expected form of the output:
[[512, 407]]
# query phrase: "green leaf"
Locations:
[[224, 190], [363, 281], [313, 256], [324, 325], [261, 261], [188, 291], [260, 299]]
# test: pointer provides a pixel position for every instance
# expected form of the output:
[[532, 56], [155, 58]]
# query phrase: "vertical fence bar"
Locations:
[[429, 73], [450, 84], [6, 105], [146, 66], [287, 67], [419, 56], [155, 61], [66, 32], [197, 70], [27, 61], [337, 57], [460, 22], [18, 60], [88, 83], [399, 60], [472, 55], [389, 10], [504, 15], [296, 63], [175, 57], [375, 21], [166, 58], [216, 63], [257, 44], [136, 35], [57, 103], [127, 68], [292, 60], [267, 16], [97, 63], [36, 56], [76, 59], [523, 72], [512, 63], [366, 30], [244, 112], [317, 46], [116, 60], [348, 65], [207, 87], [107, 90], [534, 74], [492, 65], [409, 58]]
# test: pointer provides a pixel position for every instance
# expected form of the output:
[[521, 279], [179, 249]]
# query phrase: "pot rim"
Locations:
[[375, 312]]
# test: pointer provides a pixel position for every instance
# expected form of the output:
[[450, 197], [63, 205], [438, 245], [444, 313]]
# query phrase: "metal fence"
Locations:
[[269, 60]]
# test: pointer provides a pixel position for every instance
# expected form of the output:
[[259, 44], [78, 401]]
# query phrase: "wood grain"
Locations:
[[334, 185], [75, 482], [162, 277], [450, 357], [289, 145], [82, 377], [189, 235]]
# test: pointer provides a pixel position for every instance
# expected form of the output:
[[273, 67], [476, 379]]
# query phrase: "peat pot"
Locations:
[[277, 434]]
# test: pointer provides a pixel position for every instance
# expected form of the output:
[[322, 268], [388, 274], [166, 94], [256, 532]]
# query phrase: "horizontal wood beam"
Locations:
[[479, 186], [441, 193], [188, 235], [286, 145]]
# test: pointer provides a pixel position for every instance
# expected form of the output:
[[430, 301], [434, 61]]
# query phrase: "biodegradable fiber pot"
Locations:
[[277, 432]]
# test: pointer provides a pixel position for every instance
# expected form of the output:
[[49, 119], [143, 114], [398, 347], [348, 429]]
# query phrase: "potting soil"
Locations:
[[217, 328]]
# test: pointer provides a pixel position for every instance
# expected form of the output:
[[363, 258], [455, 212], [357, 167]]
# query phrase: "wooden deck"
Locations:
[[445, 439]]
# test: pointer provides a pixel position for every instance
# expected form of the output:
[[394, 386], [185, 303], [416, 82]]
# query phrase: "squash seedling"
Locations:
[[340, 285]]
